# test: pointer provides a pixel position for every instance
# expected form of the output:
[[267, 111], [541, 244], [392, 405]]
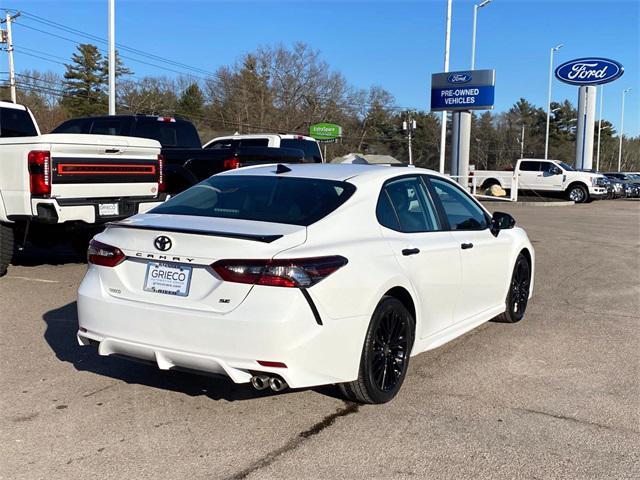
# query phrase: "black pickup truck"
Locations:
[[185, 161]]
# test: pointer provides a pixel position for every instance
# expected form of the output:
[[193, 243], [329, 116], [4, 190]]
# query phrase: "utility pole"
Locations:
[[409, 125], [9, 41], [522, 142], [112, 57]]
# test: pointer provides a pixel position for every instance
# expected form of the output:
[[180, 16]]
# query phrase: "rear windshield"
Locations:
[[295, 201], [170, 134], [311, 149], [16, 123]]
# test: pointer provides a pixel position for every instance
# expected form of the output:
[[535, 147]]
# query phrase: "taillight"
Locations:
[[105, 255], [39, 164], [231, 163], [161, 180], [294, 272]]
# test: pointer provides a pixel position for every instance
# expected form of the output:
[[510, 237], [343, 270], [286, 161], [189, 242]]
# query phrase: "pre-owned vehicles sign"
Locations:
[[467, 90]]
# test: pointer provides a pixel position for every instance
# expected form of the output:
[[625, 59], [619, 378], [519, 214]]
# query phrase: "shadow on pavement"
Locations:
[[33, 256], [62, 325]]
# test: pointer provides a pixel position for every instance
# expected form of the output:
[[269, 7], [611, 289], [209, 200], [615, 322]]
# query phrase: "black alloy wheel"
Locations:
[[518, 295], [385, 355]]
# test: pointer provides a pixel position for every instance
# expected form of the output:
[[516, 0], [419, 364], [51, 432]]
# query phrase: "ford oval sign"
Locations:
[[589, 71], [459, 78]]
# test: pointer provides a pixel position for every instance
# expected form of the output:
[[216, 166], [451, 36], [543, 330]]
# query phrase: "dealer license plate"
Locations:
[[170, 279], [108, 209]]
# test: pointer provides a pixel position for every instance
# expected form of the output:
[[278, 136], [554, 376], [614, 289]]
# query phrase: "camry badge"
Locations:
[[162, 243]]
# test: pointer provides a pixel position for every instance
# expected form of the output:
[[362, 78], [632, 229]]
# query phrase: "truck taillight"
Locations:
[[39, 164], [231, 163], [104, 255], [295, 272], [161, 179]]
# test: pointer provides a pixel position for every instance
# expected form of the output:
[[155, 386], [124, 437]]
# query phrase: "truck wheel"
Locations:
[[6, 248], [578, 193]]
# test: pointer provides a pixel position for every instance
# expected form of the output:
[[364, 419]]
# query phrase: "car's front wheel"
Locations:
[[385, 354], [518, 295]]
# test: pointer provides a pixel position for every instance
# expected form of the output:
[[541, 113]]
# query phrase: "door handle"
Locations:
[[112, 150], [410, 251], [466, 246]]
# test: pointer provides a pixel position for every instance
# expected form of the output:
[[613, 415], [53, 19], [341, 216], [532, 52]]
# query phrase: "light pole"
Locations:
[[112, 57], [546, 138], [443, 123], [599, 128], [624, 93], [476, 7]]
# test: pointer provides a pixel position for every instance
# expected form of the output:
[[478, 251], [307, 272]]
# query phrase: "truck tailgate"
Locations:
[[95, 166]]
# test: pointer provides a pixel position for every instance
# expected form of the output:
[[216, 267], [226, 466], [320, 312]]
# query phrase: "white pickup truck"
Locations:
[[308, 145], [61, 185], [547, 176]]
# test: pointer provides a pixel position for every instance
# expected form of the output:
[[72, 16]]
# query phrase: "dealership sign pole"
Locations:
[[586, 73], [461, 92]]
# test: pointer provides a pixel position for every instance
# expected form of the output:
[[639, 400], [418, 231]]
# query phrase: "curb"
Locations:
[[535, 204]]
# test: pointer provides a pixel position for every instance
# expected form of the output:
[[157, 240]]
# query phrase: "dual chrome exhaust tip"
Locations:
[[261, 382]]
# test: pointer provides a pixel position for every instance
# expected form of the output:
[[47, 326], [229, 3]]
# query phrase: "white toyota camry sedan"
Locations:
[[302, 275]]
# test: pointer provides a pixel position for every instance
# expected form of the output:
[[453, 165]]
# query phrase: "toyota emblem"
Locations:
[[162, 243]]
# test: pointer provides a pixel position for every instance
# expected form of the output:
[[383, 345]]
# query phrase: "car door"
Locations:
[[484, 257], [549, 177], [528, 173], [426, 252]]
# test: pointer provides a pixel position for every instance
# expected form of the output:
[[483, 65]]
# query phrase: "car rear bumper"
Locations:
[[272, 324]]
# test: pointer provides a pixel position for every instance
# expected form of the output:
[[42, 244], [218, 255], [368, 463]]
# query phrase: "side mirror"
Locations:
[[556, 171], [501, 221]]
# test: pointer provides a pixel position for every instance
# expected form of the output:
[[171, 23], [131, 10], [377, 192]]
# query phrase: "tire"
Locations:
[[385, 354], [518, 295], [6, 248], [578, 193]]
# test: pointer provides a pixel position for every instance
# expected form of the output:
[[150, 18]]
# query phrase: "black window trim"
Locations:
[[417, 176], [440, 208]]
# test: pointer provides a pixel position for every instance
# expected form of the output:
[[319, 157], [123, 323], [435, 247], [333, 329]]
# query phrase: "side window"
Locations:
[[16, 123], [530, 166], [384, 212], [412, 205], [461, 210]]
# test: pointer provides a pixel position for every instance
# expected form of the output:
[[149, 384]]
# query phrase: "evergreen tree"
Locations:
[[84, 82], [191, 102]]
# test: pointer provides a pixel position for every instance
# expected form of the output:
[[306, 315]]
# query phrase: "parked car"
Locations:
[[625, 177], [310, 146], [617, 188], [548, 176], [185, 161], [304, 275], [61, 186]]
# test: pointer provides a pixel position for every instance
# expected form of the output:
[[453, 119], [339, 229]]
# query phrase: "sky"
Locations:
[[393, 44]]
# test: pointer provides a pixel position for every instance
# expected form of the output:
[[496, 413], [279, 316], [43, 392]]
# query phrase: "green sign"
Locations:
[[325, 131]]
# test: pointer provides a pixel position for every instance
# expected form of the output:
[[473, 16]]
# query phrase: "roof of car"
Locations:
[[331, 171], [15, 106]]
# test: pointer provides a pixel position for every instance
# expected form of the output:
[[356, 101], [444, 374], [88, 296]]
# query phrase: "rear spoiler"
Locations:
[[208, 233]]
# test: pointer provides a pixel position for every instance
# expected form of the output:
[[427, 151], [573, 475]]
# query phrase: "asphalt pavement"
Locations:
[[555, 396]]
